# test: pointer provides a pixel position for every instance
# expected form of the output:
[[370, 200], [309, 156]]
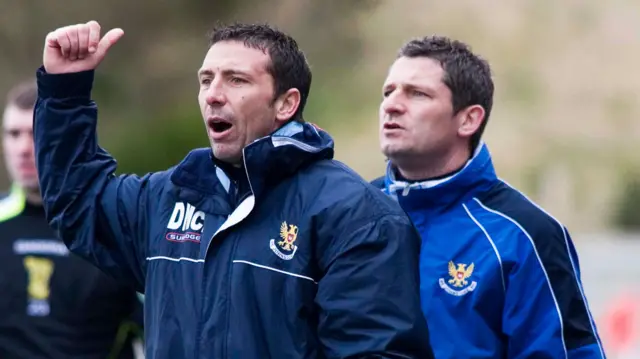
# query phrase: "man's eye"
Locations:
[[420, 94], [205, 81], [238, 80]]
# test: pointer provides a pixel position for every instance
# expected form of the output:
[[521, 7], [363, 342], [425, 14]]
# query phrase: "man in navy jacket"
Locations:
[[500, 277], [261, 246]]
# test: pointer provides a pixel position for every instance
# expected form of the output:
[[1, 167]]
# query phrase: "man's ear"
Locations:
[[470, 119], [287, 104]]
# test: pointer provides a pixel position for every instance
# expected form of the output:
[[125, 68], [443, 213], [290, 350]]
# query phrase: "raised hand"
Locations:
[[77, 48]]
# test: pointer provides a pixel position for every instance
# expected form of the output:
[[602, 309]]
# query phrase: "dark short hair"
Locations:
[[288, 66], [467, 75], [23, 95]]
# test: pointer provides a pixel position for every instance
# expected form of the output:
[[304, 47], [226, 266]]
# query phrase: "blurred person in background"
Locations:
[[260, 246], [500, 277], [53, 304]]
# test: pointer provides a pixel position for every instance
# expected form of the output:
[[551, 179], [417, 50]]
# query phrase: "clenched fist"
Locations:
[[77, 48]]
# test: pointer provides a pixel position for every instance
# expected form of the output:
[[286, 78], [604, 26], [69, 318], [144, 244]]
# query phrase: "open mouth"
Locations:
[[219, 125]]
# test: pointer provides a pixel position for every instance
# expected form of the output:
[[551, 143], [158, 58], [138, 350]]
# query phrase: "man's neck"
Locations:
[[33, 197], [423, 169]]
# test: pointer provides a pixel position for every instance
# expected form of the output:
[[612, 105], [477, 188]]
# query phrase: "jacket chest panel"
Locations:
[[268, 251], [276, 239], [460, 272]]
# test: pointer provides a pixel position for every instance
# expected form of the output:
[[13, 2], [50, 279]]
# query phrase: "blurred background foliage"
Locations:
[[564, 128]]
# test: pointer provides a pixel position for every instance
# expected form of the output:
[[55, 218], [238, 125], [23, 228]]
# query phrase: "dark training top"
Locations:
[[53, 304]]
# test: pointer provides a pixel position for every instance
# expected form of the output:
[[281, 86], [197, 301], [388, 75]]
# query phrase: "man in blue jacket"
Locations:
[[261, 246], [499, 276]]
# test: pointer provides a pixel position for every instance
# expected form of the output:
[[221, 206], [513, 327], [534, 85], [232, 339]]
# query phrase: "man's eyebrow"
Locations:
[[389, 87], [208, 72], [408, 86], [203, 72], [231, 72]]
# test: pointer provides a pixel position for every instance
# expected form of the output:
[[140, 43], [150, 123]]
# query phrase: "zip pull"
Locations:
[[406, 190]]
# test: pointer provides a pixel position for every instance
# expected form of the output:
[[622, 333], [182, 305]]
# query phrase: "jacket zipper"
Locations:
[[225, 344]]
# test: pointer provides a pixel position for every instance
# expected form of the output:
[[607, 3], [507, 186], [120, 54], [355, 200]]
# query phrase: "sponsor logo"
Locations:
[[186, 224]]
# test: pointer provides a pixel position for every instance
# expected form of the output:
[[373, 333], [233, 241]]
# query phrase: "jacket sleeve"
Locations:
[[99, 216], [369, 295], [546, 314]]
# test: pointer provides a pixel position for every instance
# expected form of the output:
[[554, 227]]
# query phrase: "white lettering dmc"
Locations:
[[186, 224], [186, 218]]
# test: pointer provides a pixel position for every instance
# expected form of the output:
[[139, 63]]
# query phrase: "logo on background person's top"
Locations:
[[186, 224], [39, 271]]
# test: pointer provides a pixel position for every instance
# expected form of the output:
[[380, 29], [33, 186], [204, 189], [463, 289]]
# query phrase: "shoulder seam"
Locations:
[[573, 265], [493, 245], [544, 270], [534, 204]]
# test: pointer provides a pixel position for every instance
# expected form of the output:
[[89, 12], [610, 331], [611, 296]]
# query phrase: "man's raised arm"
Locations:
[[98, 215]]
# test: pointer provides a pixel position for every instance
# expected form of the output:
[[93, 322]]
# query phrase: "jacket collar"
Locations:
[[477, 175], [267, 160]]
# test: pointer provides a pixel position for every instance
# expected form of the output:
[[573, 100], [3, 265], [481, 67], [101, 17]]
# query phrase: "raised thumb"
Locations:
[[109, 39]]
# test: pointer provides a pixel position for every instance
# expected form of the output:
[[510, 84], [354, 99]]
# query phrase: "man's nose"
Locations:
[[25, 144], [216, 94], [393, 105]]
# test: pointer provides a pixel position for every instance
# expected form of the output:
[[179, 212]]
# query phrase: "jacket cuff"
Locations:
[[61, 86]]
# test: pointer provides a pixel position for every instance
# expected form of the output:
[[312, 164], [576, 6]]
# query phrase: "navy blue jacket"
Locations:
[[298, 257], [500, 277]]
